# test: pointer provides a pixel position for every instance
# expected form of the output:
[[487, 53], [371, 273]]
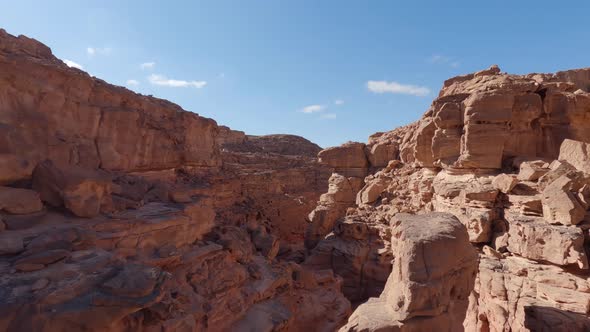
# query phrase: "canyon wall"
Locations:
[[506, 155], [124, 212]]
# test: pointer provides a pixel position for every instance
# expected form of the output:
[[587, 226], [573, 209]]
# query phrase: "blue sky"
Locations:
[[330, 71]]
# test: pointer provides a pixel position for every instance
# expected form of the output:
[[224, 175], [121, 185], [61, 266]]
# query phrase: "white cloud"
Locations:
[[132, 82], [444, 60], [313, 109], [73, 64], [97, 50], [328, 116], [437, 58], [398, 88], [163, 81], [147, 65], [338, 102]]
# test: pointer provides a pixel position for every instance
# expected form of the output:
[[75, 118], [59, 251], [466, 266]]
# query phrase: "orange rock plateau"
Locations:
[[124, 212]]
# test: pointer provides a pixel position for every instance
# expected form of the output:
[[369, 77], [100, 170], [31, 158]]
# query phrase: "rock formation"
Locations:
[[124, 212], [433, 274], [506, 155]]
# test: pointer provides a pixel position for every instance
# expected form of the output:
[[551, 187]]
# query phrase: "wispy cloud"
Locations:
[[328, 116], [313, 109], [97, 50], [397, 88], [338, 102], [163, 81], [444, 60], [132, 82], [73, 64], [147, 65]]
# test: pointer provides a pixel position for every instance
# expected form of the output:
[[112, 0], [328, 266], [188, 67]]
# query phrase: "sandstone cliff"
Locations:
[[503, 153], [123, 212]]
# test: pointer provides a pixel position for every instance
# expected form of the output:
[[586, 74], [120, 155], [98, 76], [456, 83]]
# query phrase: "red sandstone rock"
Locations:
[[348, 159], [480, 124], [19, 201], [81, 191], [432, 277], [532, 170], [575, 153], [504, 183], [560, 204], [192, 226], [136, 261]]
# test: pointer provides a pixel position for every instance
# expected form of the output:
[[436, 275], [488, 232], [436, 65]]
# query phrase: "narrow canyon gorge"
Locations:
[[124, 212]]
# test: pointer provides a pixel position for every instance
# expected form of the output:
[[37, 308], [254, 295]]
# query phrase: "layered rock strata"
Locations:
[[123, 212], [505, 154]]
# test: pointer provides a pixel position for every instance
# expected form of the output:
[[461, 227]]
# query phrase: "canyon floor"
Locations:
[[124, 212]]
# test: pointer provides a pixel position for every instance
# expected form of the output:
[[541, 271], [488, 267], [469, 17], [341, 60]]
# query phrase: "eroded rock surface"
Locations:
[[123, 212], [434, 269], [506, 155]]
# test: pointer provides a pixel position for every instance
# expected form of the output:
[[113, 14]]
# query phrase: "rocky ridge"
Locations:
[[505, 154]]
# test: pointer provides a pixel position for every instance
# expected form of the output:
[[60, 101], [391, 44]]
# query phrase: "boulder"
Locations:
[[532, 170], [504, 182], [19, 201], [560, 204], [557, 168], [433, 274], [341, 189], [371, 192], [82, 191], [576, 153], [532, 238]]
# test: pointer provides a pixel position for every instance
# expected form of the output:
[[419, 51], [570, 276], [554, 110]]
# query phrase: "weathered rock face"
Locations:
[[507, 156], [122, 212], [348, 159], [481, 119], [82, 191], [517, 294], [51, 111], [434, 270]]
